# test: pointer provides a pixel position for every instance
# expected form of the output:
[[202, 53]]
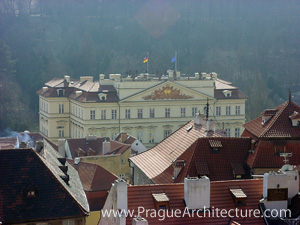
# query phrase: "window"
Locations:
[[123, 161], [68, 222], [237, 132], [167, 133], [228, 110], [61, 133], [237, 110], [140, 136], [167, 112], [140, 113], [194, 111], [182, 112], [113, 114], [127, 113], [227, 130], [92, 114], [279, 149], [60, 92], [152, 113], [61, 108], [103, 114], [151, 137], [218, 111]]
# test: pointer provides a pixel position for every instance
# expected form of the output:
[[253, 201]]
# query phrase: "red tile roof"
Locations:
[[83, 145], [96, 182], [279, 126], [220, 197], [8, 142], [129, 138], [264, 155], [22, 168], [155, 161]]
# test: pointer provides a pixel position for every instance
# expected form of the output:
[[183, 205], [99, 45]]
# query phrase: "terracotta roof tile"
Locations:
[[279, 126], [156, 160], [220, 197]]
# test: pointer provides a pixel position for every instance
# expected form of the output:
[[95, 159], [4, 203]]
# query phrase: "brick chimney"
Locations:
[[123, 137], [61, 147]]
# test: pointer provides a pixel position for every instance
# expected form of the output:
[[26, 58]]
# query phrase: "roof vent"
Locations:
[[102, 96], [62, 160], [227, 93], [295, 117], [66, 178], [139, 221]]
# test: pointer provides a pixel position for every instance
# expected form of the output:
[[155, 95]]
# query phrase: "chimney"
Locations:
[[101, 77], [39, 145], [197, 76], [45, 89], [197, 192], [61, 147], [123, 137], [105, 147], [121, 194], [67, 78], [139, 221], [76, 161], [78, 93], [210, 125]]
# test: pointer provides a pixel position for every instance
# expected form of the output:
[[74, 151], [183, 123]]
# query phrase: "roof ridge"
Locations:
[[274, 119]]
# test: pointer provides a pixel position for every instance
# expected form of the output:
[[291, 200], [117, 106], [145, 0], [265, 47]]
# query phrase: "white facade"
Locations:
[[147, 108]]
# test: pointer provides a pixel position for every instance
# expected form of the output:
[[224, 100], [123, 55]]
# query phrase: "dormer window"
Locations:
[[279, 147], [227, 93], [61, 92], [238, 195], [177, 165], [215, 146], [161, 200], [295, 119], [102, 96], [267, 115]]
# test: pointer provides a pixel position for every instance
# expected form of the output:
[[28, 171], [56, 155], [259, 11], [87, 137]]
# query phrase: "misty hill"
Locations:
[[254, 44]]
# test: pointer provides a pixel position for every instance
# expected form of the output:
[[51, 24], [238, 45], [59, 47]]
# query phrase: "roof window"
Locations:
[[238, 195], [161, 200]]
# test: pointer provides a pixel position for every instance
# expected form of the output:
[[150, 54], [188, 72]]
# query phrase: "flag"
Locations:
[[145, 59], [173, 59]]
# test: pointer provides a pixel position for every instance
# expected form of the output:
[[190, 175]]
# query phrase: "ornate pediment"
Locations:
[[167, 92]]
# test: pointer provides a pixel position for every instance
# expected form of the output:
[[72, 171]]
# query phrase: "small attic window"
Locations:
[[161, 200], [31, 191], [215, 146], [227, 93], [238, 195], [295, 119], [102, 96], [61, 92]]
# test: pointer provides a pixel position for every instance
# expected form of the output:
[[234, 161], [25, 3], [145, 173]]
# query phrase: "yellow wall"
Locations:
[[112, 163], [93, 218]]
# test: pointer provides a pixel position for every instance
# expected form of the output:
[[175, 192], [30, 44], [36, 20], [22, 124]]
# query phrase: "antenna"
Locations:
[[207, 110], [286, 156], [290, 95]]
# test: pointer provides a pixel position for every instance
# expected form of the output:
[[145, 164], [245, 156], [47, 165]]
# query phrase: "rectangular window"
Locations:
[[140, 113], [152, 113], [194, 111], [140, 136], [61, 133], [103, 114], [127, 113], [61, 108], [92, 115], [151, 137], [182, 112], [237, 132], [218, 111], [167, 112], [167, 133], [113, 114], [227, 132], [237, 110], [228, 110]]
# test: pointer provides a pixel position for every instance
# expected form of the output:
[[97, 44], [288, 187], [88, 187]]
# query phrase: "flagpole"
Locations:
[[175, 61], [147, 61]]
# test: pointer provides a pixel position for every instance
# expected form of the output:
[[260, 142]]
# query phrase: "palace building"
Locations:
[[147, 107]]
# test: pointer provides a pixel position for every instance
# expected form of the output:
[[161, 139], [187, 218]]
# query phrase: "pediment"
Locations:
[[167, 91]]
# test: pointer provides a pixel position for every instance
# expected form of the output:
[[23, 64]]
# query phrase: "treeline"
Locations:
[[254, 44]]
